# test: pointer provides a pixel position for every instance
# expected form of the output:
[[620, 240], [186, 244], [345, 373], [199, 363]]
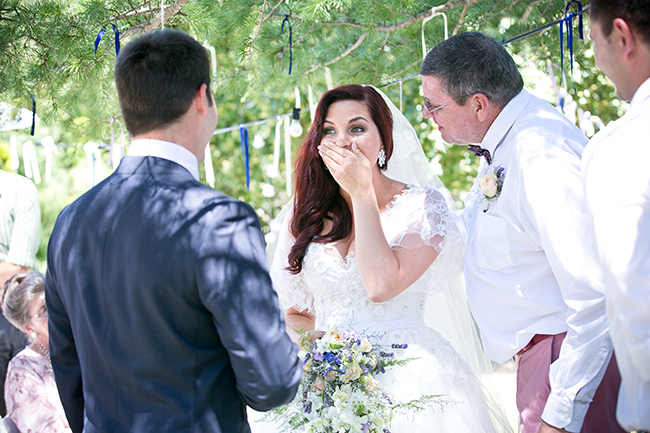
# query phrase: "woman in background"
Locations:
[[31, 395]]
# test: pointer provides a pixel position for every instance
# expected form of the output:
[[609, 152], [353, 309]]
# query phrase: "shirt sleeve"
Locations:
[[33, 404], [234, 284], [26, 232], [555, 204]]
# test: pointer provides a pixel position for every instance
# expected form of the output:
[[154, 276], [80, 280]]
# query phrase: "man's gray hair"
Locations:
[[473, 62]]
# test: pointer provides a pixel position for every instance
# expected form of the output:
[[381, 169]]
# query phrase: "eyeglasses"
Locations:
[[42, 313], [431, 110]]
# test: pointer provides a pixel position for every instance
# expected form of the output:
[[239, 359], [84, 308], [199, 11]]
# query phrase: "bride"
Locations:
[[364, 243]]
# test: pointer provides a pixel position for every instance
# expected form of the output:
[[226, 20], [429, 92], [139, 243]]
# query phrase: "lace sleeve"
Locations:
[[418, 217], [292, 290]]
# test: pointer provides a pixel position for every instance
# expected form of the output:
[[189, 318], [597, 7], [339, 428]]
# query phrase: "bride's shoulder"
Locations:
[[423, 195]]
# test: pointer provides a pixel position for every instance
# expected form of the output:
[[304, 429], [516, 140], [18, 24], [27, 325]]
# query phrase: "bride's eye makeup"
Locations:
[[357, 129]]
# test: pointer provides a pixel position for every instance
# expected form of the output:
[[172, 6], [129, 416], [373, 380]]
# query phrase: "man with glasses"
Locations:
[[533, 281]]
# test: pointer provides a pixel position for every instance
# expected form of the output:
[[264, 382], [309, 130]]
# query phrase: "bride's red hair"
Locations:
[[317, 194]]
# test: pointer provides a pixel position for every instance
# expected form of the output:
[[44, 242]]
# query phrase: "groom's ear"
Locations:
[[481, 106]]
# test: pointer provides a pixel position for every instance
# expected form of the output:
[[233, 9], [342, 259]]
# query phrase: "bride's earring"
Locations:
[[381, 158], [34, 335]]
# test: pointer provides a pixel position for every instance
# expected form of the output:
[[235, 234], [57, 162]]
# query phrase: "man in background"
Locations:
[[617, 184]]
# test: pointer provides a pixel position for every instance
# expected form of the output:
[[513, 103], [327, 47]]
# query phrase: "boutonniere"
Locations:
[[491, 184]]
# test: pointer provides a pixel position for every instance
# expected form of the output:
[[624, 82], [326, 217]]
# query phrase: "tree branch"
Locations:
[[167, 12], [343, 54]]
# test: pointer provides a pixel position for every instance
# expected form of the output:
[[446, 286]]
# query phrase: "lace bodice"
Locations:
[[330, 286]]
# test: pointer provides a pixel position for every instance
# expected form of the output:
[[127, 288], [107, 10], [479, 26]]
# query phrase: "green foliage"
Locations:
[[46, 50]]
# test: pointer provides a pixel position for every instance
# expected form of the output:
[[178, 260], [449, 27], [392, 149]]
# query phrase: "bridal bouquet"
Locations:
[[340, 391]]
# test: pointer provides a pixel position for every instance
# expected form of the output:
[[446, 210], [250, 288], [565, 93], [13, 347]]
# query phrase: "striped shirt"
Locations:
[[20, 220]]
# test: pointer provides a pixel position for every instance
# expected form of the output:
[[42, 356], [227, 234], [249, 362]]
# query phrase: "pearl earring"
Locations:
[[381, 158]]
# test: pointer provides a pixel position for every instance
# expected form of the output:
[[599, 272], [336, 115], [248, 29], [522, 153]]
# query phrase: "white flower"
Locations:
[[488, 184]]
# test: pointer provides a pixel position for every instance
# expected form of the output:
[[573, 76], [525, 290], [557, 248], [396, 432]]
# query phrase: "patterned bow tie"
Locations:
[[479, 151]]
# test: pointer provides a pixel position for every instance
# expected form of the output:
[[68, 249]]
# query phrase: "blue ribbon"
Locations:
[[117, 40], [568, 21], [33, 115], [243, 136], [286, 19], [102, 33]]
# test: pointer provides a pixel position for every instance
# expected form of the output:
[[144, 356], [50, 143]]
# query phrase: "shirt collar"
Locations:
[[641, 94], [166, 150], [504, 121]]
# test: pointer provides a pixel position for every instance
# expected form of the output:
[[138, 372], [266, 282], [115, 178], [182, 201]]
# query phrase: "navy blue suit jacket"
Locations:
[[161, 311]]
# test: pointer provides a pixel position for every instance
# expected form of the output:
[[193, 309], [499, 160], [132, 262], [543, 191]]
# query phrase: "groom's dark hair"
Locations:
[[157, 76], [470, 63], [636, 13]]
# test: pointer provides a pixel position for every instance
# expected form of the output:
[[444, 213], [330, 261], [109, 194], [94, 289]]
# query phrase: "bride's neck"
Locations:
[[384, 187]]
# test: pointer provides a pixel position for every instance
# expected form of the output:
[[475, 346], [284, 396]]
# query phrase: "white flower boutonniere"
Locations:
[[491, 184]]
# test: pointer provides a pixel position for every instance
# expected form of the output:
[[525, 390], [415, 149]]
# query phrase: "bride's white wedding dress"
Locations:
[[330, 287]]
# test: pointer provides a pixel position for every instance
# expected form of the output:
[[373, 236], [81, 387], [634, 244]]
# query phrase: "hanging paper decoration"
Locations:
[[274, 169], [243, 136], [115, 153], [33, 115], [90, 148], [287, 156], [328, 78], [286, 20], [213, 58], [13, 153], [568, 21], [162, 14], [310, 97], [49, 148], [208, 167], [424, 21], [30, 163]]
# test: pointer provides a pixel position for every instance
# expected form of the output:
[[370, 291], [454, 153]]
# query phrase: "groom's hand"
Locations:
[[547, 428]]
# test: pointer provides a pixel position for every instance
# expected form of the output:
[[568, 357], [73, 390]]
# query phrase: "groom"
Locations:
[[161, 311], [533, 280]]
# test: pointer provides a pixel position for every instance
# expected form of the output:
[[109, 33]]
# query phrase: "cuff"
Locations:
[[563, 413]]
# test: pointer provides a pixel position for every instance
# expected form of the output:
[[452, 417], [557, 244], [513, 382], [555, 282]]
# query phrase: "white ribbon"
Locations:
[[312, 107], [287, 156], [208, 167], [49, 148], [424, 21], [274, 169], [13, 153], [90, 148], [30, 163]]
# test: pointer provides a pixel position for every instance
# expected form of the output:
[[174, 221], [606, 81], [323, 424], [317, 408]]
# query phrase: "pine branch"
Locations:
[[345, 53]]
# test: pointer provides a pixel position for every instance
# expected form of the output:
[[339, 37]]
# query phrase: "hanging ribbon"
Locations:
[[286, 19], [13, 153], [117, 40], [287, 156], [568, 21], [30, 162], [33, 115], [213, 58], [243, 136], [115, 153], [90, 148], [424, 21], [273, 170], [49, 148], [310, 98], [209, 168], [101, 35]]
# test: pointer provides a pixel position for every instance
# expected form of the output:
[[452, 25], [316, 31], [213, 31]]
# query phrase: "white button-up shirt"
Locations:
[[166, 150], [531, 265], [616, 168]]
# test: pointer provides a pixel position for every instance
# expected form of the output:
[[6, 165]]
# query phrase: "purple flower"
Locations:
[[318, 356], [365, 427], [399, 346]]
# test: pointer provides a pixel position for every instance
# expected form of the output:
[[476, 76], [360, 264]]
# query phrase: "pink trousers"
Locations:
[[533, 389]]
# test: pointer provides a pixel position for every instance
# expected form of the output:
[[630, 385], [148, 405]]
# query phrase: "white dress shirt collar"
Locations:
[[166, 150], [504, 121], [641, 94]]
